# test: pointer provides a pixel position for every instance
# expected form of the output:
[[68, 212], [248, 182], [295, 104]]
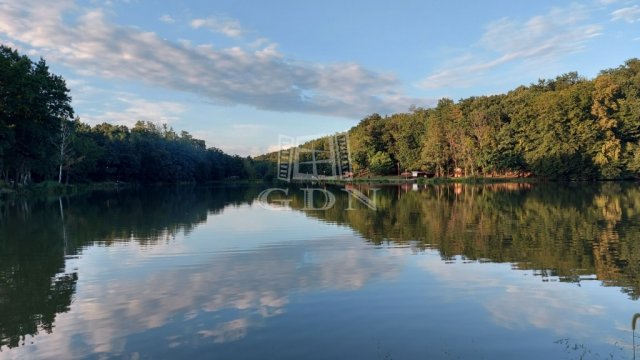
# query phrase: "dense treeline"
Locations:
[[565, 128], [147, 153], [40, 140]]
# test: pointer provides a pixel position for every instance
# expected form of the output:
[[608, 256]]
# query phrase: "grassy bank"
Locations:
[[452, 180], [52, 188], [477, 180], [438, 180]]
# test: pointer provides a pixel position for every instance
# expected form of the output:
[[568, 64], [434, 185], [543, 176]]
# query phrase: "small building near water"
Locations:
[[418, 174]]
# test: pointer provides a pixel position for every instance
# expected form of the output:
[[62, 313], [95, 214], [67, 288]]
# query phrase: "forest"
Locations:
[[567, 128], [40, 140]]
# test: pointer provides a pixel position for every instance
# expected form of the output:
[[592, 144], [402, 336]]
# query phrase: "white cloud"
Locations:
[[540, 39], [133, 109], [248, 127], [228, 27], [628, 14], [263, 78], [168, 19], [275, 148]]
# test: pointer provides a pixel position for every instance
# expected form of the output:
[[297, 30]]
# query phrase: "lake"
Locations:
[[499, 271]]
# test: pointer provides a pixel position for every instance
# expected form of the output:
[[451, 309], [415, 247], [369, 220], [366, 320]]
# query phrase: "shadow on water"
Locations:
[[575, 232]]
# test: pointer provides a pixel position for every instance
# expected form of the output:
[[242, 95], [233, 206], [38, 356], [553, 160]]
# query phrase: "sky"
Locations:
[[240, 73]]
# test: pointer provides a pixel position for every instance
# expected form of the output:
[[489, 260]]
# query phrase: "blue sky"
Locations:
[[239, 73]]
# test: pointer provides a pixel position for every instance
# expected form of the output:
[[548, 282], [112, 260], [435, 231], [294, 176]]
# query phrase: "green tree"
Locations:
[[33, 105], [381, 163]]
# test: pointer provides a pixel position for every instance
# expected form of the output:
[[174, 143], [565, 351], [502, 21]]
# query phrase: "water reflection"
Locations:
[[176, 271], [36, 236], [571, 231], [33, 285]]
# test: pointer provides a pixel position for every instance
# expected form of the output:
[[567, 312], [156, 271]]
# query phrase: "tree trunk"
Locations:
[[63, 146]]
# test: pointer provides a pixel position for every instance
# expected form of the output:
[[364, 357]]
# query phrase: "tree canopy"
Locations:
[[564, 128], [40, 140]]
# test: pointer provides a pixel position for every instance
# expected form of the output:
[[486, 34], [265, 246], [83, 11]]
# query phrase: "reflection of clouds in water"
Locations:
[[222, 298], [229, 331], [516, 301], [552, 308]]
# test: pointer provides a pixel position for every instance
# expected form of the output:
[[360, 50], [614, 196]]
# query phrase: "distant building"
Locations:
[[417, 174]]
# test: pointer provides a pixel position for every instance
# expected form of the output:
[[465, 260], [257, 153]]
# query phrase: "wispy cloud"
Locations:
[[264, 78], [132, 109], [228, 27], [628, 14], [167, 19], [543, 38]]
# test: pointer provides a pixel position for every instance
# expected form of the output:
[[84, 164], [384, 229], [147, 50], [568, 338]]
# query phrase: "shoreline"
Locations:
[[50, 188], [460, 180]]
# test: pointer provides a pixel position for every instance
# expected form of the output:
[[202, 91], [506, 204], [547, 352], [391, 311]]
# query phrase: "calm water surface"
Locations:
[[549, 271]]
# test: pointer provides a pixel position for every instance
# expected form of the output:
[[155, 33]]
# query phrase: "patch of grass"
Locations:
[[52, 188], [476, 180]]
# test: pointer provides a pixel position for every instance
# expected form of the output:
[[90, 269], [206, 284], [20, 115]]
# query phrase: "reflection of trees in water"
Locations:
[[564, 230], [151, 215], [33, 287], [36, 235], [556, 229]]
